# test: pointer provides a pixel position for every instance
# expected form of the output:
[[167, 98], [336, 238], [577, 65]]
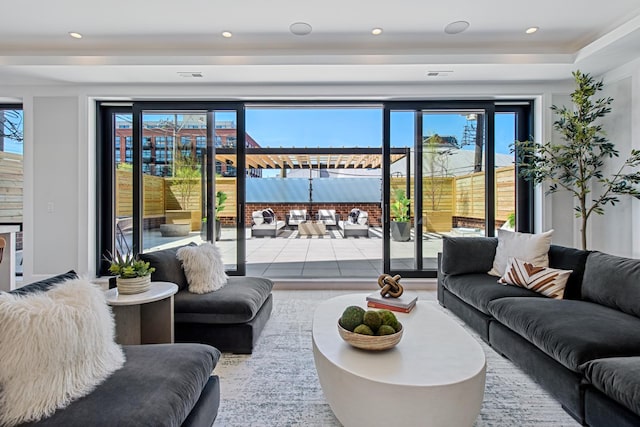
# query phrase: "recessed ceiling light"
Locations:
[[531, 30], [75, 35], [227, 34], [376, 31], [456, 27], [300, 28]]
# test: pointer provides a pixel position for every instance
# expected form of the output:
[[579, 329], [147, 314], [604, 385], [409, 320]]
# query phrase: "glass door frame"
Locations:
[[105, 161], [524, 190]]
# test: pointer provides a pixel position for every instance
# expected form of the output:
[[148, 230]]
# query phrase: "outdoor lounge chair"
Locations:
[[265, 225], [296, 216], [328, 217], [356, 224]]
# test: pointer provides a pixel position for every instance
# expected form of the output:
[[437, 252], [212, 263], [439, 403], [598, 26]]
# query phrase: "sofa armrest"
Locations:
[[464, 255]]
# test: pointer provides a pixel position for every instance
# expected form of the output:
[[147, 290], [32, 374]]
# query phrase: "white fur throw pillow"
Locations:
[[56, 346], [203, 267], [532, 248]]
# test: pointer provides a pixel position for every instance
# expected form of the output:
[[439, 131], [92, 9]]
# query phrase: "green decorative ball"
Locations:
[[363, 330], [352, 317], [388, 318], [372, 319], [386, 330]]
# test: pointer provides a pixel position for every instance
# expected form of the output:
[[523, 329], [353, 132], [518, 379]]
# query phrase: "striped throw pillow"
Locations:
[[547, 281]]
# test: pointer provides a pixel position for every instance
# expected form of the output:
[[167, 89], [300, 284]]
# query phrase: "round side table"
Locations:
[[144, 318]]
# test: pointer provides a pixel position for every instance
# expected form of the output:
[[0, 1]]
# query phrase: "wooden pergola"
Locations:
[[310, 158]]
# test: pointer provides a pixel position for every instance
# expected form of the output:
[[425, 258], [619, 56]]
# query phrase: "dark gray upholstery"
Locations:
[[237, 302], [600, 410], [551, 340], [477, 252], [479, 289], [618, 378], [168, 266], [572, 332], [471, 316], [613, 281], [45, 284], [229, 319], [234, 338], [159, 385], [563, 384]]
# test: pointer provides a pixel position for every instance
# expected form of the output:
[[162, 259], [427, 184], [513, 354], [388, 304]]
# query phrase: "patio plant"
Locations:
[[187, 182], [400, 226], [577, 166], [221, 197]]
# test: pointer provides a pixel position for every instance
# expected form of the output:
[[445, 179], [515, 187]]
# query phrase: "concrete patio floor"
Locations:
[[294, 257]]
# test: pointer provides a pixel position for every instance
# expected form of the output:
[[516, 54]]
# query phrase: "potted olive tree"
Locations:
[[400, 225], [577, 165]]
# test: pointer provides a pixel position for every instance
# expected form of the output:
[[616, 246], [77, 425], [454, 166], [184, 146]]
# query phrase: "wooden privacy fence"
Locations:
[[443, 197], [11, 187]]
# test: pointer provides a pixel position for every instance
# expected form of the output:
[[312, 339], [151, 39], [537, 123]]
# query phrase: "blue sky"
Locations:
[[328, 127]]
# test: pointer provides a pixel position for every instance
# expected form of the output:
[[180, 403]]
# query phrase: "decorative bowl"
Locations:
[[370, 342]]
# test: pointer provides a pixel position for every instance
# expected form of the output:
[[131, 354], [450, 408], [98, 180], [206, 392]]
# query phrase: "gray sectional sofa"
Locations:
[[229, 319], [159, 385], [584, 349]]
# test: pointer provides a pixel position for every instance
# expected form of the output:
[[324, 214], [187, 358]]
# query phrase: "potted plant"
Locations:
[[400, 226], [133, 275], [221, 197], [578, 164]]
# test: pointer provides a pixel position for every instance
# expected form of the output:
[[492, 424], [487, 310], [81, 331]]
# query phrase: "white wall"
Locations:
[[60, 155]]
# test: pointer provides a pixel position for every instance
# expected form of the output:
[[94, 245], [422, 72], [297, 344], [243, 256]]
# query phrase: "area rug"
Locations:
[[277, 385]]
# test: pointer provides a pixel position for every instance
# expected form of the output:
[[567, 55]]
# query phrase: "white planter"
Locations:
[[134, 285]]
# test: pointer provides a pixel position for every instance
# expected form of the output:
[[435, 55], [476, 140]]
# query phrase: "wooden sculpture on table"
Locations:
[[390, 286]]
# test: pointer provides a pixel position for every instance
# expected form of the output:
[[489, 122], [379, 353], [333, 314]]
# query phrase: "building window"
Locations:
[[117, 145], [128, 142], [161, 142], [201, 141], [185, 140]]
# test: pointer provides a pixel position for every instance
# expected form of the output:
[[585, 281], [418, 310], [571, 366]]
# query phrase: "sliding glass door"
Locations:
[[160, 173], [460, 179]]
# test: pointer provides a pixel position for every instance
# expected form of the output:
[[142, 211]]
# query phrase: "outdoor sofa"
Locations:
[[159, 385], [230, 319], [356, 224], [295, 217], [584, 349]]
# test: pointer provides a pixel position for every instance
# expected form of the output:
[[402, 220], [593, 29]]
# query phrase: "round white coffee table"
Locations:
[[144, 318], [434, 377]]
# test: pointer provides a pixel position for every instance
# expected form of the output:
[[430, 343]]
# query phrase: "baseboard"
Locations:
[[351, 284]]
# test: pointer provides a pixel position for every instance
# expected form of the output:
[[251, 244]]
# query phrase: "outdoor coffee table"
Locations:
[[312, 229], [434, 377]]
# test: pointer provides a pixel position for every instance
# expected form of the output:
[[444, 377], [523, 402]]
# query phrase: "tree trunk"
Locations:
[[584, 233]]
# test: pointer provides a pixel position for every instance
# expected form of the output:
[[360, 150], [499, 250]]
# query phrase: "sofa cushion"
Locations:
[[168, 266], [613, 281], [572, 259], [618, 378], [572, 332], [237, 302], [533, 248], [462, 255], [479, 289], [158, 385]]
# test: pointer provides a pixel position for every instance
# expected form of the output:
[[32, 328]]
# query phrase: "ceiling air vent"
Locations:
[[440, 73], [190, 74]]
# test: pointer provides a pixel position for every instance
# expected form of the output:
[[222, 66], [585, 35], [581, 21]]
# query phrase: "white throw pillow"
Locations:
[[363, 218], [57, 346], [533, 248], [547, 281], [203, 267], [257, 217]]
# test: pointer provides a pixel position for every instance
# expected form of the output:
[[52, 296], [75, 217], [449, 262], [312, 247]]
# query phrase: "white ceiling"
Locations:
[[136, 41]]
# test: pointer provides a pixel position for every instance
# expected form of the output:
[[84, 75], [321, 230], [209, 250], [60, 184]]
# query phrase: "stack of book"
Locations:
[[404, 303]]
